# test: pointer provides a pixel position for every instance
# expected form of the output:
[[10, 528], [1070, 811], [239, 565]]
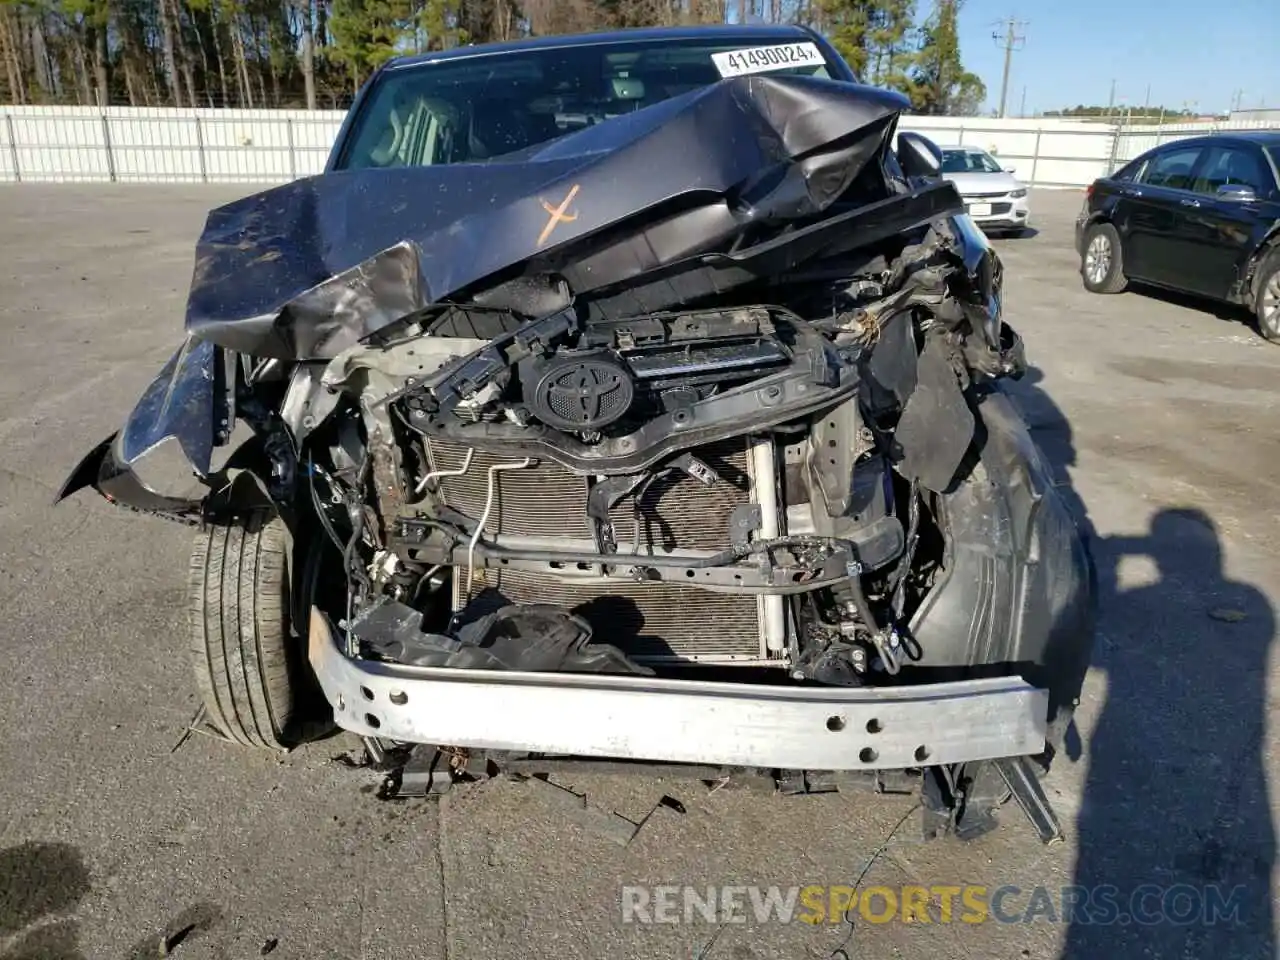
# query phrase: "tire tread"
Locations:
[[241, 643]]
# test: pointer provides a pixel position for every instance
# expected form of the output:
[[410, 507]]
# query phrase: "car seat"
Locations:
[[1240, 169], [499, 127]]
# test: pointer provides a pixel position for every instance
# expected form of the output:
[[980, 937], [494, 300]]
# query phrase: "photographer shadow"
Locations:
[[1175, 844], [1175, 813]]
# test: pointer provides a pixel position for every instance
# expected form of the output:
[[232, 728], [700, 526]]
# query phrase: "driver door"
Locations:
[[1220, 231]]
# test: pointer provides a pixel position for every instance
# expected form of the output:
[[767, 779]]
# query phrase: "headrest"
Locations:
[[499, 127]]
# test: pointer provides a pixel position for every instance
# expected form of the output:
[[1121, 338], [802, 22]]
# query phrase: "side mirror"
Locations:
[[1010, 169], [919, 156], [1237, 193]]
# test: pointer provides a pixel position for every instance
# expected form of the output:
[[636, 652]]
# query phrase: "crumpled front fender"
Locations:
[[1018, 591], [157, 460]]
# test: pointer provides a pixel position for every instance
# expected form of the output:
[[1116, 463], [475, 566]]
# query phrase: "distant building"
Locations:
[[1260, 115]]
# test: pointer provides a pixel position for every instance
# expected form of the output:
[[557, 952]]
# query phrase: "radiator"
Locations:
[[649, 621]]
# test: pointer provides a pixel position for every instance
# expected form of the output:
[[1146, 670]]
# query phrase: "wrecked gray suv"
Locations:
[[631, 397]]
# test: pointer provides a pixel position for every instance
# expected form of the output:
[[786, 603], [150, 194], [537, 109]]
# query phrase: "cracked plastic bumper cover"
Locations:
[[678, 721]]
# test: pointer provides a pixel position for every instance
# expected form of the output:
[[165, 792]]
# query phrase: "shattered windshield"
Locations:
[[968, 161], [478, 107]]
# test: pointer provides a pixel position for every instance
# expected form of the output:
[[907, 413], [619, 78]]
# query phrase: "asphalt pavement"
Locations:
[[121, 838]]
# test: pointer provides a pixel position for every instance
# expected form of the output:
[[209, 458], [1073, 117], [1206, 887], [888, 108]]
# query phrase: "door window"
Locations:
[[1172, 169], [1131, 171], [1228, 165]]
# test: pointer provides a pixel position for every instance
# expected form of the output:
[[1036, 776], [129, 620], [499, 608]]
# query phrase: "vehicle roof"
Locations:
[[753, 32], [1266, 138]]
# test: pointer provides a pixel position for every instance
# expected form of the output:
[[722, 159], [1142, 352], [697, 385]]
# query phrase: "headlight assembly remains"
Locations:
[[1019, 193]]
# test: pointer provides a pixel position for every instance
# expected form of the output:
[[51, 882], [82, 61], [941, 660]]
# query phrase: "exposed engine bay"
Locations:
[[742, 485]]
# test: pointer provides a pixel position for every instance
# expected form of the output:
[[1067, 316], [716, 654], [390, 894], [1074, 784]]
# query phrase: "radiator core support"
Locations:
[[764, 493], [544, 506]]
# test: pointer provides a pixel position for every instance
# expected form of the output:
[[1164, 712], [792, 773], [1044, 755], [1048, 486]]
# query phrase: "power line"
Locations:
[[1011, 40]]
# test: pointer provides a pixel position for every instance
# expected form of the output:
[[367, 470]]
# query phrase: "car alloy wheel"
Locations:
[[1097, 259], [1270, 312]]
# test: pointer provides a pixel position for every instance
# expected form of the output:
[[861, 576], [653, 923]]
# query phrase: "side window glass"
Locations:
[[1172, 169], [1229, 165], [1131, 171]]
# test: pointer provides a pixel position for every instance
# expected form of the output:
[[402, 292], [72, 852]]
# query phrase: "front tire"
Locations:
[[251, 670], [1266, 301], [1102, 263]]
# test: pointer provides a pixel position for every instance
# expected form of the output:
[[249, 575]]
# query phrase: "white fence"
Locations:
[[164, 145], [1136, 140], [1043, 152]]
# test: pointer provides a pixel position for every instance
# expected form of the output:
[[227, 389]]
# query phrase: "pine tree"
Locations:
[[368, 33], [938, 83], [888, 38], [848, 24]]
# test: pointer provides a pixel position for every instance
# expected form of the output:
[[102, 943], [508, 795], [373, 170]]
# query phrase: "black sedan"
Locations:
[[1200, 215]]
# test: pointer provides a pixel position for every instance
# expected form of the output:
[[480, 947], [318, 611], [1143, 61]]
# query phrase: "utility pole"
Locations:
[[1010, 41], [1022, 110], [1111, 100]]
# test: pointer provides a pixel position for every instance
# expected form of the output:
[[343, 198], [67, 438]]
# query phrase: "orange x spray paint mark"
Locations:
[[557, 215]]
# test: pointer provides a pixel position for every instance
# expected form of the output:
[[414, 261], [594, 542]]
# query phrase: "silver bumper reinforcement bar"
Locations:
[[681, 721]]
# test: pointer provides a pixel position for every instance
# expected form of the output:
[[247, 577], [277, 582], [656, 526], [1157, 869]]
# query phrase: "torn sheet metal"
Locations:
[[936, 427]]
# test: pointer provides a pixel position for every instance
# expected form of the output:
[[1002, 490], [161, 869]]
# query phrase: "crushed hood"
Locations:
[[309, 268]]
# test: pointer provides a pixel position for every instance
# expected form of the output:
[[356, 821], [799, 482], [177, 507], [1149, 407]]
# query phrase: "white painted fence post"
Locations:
[[1115, 148], [13, 147], [106, 143], [204, 168]]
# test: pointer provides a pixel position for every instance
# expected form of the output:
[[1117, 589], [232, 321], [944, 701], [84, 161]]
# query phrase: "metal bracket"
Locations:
[[602, 498], [427, 773], [696, 469], [1026, 789], [962, 799], [743, 522]]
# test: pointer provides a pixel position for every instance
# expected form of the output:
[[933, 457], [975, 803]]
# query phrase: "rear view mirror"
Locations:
[[1237, 193], [1010, 170], [919, 156]]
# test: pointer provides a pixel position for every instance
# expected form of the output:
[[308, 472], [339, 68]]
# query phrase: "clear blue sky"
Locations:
[[1186, 50]]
